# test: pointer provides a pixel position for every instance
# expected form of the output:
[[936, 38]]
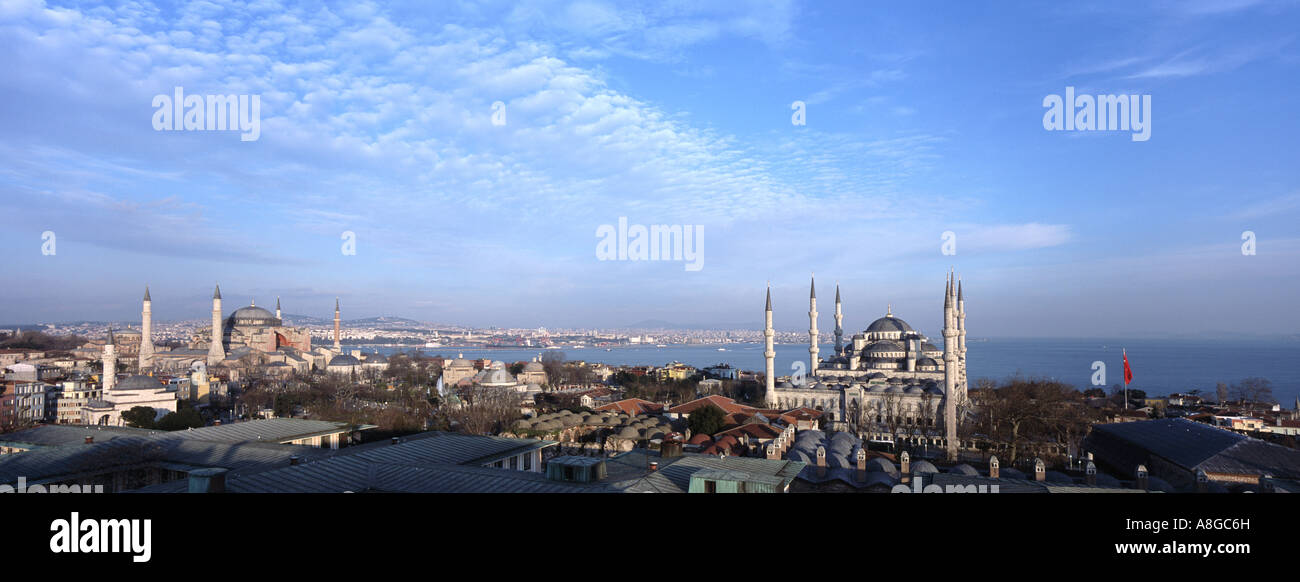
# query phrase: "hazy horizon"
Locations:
[[380, 122]]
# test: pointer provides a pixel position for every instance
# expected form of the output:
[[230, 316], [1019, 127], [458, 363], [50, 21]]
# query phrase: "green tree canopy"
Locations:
[[706, 420], [139, 417]]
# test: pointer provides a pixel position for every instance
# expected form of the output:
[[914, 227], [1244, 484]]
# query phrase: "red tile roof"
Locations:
[[755, 431], [700, 439], [727, 405], [633, 406]]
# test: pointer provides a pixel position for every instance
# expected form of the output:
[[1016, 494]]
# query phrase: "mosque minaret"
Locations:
[[215, 351], [887, 382], [109, 375], [146, 331], [337, 347], [812, 328], [769, 352]]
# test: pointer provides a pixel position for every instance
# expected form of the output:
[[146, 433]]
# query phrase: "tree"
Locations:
[[707, 420], [1253, 390], [185, 417], [139, 417], [553, 363]]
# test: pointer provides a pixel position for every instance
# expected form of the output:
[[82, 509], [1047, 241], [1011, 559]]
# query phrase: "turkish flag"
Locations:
[[1128, 372]]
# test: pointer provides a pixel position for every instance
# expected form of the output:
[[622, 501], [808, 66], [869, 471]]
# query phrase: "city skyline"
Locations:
[[382, 123]]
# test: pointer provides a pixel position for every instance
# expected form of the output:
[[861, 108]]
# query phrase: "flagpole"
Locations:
[[1125, 376]]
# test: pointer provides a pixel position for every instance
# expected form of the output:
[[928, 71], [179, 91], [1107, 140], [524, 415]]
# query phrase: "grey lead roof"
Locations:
[[1192, 446]]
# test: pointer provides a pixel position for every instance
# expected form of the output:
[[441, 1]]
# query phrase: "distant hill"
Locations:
[[659, 324]]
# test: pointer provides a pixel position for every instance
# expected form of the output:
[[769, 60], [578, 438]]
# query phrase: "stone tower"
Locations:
[[769, 354], [950, 369], [146, 332], [216, 352], [337, 347], [839, 323], [961, 343], [109, 375], [812, 328]]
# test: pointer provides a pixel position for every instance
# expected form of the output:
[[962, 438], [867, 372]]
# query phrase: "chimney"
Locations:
[[216, 422], [395, 440], [90, 439], [993, 467], [821, 461], [1266, 483], [862, 465], [294, 459], [654, 466], [905, 463], [1143, 482], [1202, 482], [1091, 471], [773, 452], [1040, 469], [208, 481]]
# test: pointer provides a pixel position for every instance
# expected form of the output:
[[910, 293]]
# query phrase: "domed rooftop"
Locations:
[[344, 360], [964, 469], [499, 377], [138, 382], [253, 315], [924, 466], [885, 346], [927, 362], [534, 367], [889, 323]]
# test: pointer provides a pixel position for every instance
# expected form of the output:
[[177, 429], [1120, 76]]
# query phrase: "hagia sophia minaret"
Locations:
[[812, 327], [839, 323], [216, 353], [950, 368], [769, 353], [337, 348], [108, 378], [277, 308], [146, 332]]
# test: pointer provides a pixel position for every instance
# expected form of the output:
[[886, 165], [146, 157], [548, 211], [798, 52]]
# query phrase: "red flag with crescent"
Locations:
[[1128, 372]]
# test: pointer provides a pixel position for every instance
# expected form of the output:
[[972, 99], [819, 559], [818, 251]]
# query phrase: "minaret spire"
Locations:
[[277, 307], [216, 349], [839, 323], [146, 332], [769, 355], [812, 327], [108, 377], [950, 372], [337, 346]]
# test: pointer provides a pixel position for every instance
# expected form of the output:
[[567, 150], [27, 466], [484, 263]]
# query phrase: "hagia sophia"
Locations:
[[249, 338]]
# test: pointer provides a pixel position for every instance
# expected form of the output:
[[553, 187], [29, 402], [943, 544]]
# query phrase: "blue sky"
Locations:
[[376, 118]]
